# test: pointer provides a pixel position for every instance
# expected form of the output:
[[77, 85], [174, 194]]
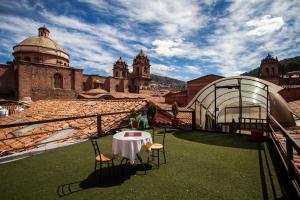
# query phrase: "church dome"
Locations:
[[41, 44]]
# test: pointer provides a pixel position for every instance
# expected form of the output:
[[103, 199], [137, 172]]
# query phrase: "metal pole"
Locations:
[[289, 152], [267, 112], [99, 127], [240, 104], [215, 107], [193, 120]]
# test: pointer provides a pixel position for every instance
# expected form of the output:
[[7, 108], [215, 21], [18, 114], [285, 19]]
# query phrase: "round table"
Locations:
[[129, 143]]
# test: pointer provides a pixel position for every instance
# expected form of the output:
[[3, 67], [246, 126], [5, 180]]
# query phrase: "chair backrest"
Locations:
[[160, 133], [95, 146]]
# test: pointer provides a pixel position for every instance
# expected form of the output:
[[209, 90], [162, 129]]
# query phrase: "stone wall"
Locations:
[[37, 78], [8, 80], [37, 94]]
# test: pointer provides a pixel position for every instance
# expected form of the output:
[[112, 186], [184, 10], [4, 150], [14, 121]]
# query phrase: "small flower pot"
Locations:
[[135, 124]]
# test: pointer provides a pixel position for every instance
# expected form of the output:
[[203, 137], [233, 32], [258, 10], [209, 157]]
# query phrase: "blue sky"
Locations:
[[184, 39]]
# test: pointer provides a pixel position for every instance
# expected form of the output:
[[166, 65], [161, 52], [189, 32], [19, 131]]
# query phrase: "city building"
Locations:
[[41, 70]]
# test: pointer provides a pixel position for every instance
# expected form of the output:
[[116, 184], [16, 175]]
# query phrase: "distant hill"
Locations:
[[168, 83], [286, 65]]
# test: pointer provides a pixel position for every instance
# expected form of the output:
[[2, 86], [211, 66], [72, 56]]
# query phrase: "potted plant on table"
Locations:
[[175, 120], [151, 112], [134, 118]]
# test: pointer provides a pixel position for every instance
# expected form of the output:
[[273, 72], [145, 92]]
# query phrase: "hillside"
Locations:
[[168, 83], [286, 65]]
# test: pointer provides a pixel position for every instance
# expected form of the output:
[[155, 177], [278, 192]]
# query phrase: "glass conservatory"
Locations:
[[240, 102]]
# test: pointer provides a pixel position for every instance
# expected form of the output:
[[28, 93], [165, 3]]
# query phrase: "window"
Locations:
[[117, 74], [18, 58], [37, 59], [117, 88], [58, 81], [27, 59], [137, 71], [123, 74], [96, 85], [273, 73], [145, 70], [267, 71]]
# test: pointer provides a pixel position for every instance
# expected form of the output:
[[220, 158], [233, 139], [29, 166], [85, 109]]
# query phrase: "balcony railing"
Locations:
[[286, 148], [100, 125]]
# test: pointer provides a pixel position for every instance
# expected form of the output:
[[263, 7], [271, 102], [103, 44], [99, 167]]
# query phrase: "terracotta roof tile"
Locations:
[[50, 109]]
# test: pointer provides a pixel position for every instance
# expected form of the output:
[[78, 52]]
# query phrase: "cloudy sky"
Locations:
[[184, 39]]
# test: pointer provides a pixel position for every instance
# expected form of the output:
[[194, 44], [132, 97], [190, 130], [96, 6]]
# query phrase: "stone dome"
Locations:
[[41, 44]]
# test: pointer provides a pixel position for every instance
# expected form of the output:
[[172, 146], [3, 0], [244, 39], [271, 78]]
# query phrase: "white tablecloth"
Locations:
[[129, 146]]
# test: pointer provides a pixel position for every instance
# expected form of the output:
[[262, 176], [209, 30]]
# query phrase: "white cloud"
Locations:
[[173, 33], [162, 69], [173, 18], [265, 25], [194, 70]]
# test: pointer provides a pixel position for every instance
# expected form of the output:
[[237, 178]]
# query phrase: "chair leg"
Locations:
[[95, 171], [164, 155], [158, 158], [148, 158], [113, 166], [100, 173]]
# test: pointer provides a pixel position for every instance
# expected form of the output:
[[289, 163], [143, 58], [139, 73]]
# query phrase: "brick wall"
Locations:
[[290, 94], [179, 97], [37, 94], [8, 80], [194, 86], [37, 81]]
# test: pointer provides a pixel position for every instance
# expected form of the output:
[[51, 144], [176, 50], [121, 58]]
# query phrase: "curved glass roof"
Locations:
[[239, 91], [229, 90]]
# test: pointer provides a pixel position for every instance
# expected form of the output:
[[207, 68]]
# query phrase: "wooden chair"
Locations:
[[157, 148], [105, 158]]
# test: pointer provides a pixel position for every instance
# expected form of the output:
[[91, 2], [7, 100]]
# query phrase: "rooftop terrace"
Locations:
[[199, 166]]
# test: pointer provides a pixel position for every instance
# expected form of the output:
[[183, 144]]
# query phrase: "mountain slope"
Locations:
[[286, 65], [167, 82]]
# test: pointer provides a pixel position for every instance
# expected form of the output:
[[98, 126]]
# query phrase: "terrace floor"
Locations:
[[199, 166]]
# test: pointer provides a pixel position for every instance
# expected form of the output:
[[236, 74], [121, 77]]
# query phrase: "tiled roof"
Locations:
[[32, 136], [295, 106]]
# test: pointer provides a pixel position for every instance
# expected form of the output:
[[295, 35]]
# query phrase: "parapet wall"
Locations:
[[290, 94]]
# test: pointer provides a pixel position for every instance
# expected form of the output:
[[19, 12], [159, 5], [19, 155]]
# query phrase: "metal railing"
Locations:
[[286, 148], [100, 121]]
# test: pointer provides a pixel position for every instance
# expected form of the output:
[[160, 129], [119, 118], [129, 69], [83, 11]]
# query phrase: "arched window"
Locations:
[[37, 59], [273, 72], [117, 73], [267, 70], [27, 59], [58, 81], [137, 71]]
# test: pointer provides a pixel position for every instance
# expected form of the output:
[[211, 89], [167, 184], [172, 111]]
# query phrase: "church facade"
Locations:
[[41, 70]]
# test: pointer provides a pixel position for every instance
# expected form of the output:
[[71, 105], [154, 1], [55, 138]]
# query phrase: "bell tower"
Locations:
[[140, 77], [120, 69], [141, 66], [269, 69]]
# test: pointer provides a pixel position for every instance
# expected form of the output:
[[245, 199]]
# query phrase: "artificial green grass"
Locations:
[[199, 166]]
